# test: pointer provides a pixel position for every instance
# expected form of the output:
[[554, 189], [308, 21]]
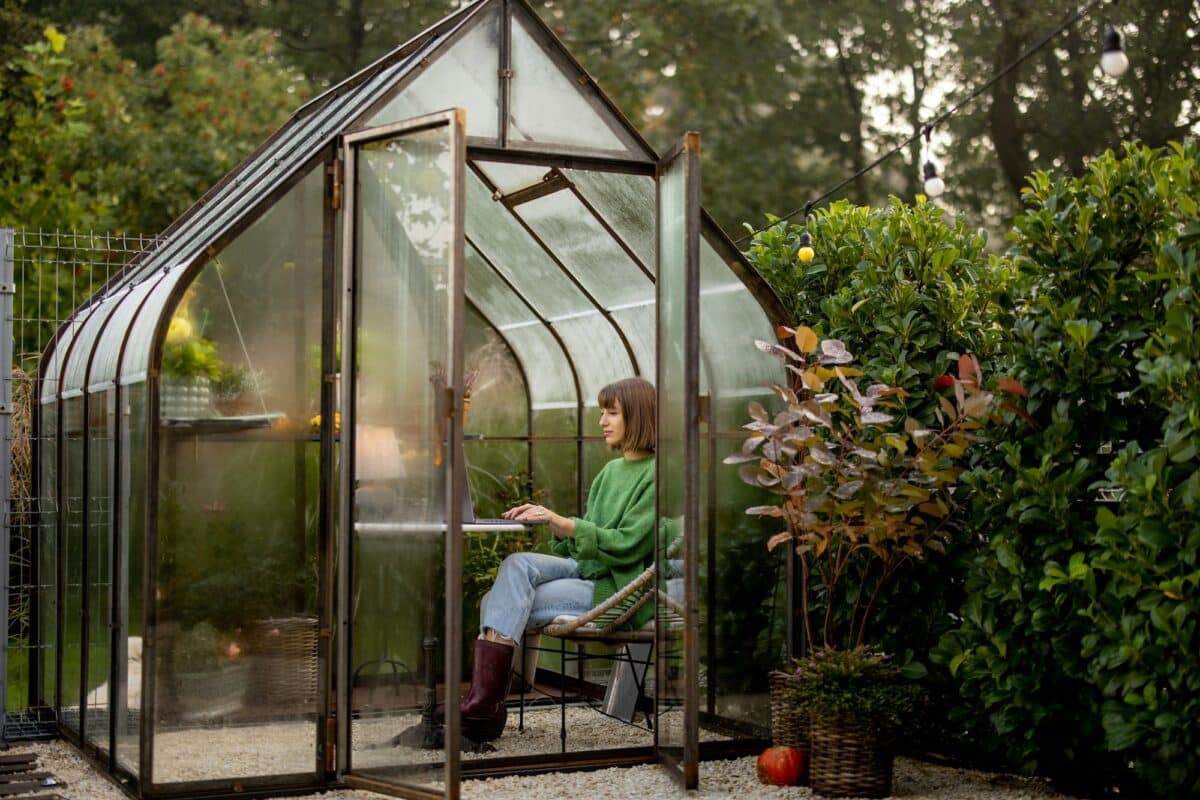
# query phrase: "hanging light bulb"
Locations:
[[1113, 60], [806, 252], [934, 185]]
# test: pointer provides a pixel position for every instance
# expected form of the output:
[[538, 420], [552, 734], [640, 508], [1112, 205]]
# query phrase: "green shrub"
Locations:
[[906, 291], [909, 292], [858, 685], [1078, 633]]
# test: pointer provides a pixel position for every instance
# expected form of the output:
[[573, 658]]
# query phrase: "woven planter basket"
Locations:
[[789, 724], [283, 653], [849, 760]]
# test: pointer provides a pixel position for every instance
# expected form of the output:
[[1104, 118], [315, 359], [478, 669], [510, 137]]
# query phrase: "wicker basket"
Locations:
[[283, 653], [849, 760], [789, 724]]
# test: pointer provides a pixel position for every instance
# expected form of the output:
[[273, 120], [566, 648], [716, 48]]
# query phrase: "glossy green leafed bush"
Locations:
[[909, 290], [1076, 653], [905, 289]]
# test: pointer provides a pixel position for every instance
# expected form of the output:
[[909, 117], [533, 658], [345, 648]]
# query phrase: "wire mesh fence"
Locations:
[[52, 273]]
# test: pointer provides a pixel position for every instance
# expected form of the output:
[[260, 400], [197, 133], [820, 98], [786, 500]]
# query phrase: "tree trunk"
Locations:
[[356, 34], [1003, 116], [854, 101]]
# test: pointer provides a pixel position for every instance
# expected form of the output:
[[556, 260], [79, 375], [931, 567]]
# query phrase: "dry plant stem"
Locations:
[[804, 599], [883, 578]]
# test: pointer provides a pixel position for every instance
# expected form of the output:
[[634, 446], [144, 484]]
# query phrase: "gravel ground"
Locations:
[[718, 779]]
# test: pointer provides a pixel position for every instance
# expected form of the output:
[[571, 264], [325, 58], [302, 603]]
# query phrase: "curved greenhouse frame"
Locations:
[[269, 440]]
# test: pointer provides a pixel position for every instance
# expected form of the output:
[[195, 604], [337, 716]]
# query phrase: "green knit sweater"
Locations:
[[614, 540]]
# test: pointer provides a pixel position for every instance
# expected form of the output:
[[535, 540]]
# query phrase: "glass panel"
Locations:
[[730, 321], [597, 349], [108, 350], [72, 547], [136, 360], [236, 662], [77, 360], [638, 324], [585, 248], [670, 666], [131, 520], [498, 403], [509, 248], [53, 360], [48, 579], [102, 419], [403, 235], [553, 419], [551, 380], [626, 202], [508, 178], [463, 76], [547, 105], [590, 339], [744, 627], [555, 468]]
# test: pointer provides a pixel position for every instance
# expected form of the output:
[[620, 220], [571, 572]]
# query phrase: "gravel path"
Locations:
[[718, 779]]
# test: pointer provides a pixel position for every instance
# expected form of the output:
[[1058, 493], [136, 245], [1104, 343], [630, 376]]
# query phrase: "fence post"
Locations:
[[7, 289]]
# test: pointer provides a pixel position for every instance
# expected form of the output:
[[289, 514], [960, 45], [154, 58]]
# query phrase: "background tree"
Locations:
[[93, 141], [1057, 110], [42, 183], [792, 99]]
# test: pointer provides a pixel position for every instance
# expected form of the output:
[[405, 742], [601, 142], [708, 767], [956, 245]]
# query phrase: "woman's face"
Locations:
[[612, 424]]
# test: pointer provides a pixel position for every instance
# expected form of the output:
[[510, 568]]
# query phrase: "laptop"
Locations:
[[475, 524]]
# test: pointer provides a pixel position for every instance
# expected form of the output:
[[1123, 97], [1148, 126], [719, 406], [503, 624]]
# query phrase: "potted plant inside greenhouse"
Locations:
[[865, 491], [190, 366]]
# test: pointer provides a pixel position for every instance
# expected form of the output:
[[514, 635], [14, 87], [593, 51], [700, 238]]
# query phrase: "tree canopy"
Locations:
[[791, 99]]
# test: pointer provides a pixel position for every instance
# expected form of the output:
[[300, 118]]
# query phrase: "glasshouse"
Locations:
[[278, 441]]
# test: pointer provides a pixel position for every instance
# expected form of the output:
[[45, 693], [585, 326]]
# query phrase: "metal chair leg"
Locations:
[[562, 693]]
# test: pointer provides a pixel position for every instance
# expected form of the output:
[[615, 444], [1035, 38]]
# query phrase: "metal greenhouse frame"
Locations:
[[258, 443]]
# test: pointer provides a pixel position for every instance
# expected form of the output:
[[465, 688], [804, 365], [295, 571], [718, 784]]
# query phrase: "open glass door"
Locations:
[[677, 685], [400, 566]]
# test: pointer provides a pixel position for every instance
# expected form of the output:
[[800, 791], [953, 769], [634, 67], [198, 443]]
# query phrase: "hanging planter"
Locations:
[[186, 398]]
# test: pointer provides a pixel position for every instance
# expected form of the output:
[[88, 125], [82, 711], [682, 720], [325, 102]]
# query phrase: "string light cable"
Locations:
[[1113, 55]]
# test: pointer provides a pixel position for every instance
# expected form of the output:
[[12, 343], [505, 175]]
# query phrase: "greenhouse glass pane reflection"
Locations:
[[257, 441]]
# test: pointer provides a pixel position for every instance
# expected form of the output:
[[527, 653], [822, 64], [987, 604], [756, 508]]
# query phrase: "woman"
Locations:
[[594, 555]]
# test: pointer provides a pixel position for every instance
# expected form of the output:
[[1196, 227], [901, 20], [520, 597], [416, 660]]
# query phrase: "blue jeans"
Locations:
[[531, 589]]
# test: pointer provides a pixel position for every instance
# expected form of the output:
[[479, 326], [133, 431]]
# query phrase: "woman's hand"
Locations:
[[560, 526]]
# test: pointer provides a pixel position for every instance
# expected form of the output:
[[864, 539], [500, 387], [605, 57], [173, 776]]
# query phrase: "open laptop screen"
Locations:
[[470, 521]]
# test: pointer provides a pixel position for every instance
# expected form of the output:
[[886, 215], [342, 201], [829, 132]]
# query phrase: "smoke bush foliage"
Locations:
[[1079, 632]]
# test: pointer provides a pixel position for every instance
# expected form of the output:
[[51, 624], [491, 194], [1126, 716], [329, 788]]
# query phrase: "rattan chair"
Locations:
[[606, 624]]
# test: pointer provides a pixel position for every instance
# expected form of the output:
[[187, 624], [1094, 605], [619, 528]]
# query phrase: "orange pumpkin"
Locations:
[[782, 766]]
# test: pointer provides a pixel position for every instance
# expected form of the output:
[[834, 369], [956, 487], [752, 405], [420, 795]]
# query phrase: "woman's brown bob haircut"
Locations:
[[638, 403]]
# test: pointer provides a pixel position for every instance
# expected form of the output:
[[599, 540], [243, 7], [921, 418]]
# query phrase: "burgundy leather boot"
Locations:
[[483, 711]]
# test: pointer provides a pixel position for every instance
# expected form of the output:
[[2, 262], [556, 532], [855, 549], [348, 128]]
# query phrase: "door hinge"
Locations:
[[335, 188]]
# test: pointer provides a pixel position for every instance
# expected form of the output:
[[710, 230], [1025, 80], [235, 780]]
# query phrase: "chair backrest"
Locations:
[[605, 622]]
